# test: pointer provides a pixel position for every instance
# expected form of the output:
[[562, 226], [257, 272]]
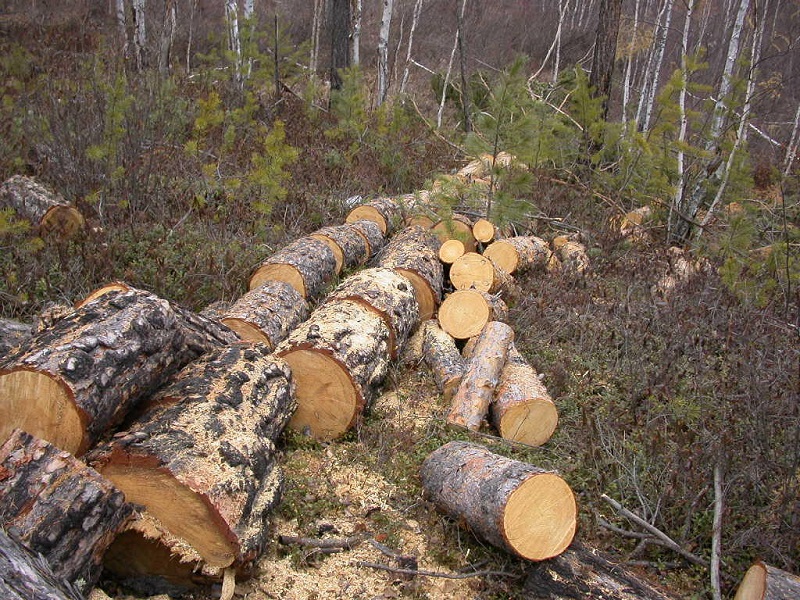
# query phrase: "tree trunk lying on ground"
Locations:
[[307, 264], [266, 314], [12, 335], [572, 255], [518, 254], [418, 209], [414, 254], [512, 505], [465, 313], [475, 271], [337, 358], [373, 237], [458, 227], [765, 582], [201, 458], [348, 245], [384, 212], [443, 358], [73, 381], [47, 211], [58, 507]]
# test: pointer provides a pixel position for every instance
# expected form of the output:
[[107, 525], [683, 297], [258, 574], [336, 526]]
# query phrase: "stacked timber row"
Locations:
[[47, 211]]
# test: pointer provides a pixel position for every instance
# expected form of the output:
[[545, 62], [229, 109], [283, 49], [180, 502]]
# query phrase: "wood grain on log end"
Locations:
[[483, 231], [450, 250], [765, 582], [474, 271], [464, 313], [517, 254], [384, 212]]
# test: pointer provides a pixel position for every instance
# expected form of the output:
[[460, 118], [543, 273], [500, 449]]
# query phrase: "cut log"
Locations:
[[464, 313], [46, 210], [443, 358], [583, 572], [25, 575], [306, 264], [476, 272], [216, 310], [58, 507], [71, 382], [12, 335], [458, 227], [373, 236], [414, 254], [114, 286], [451, 250], [348, 246], [481, 167], [512, 505], [483, 231], [202, 459], [572, 255], [765, 582], [384, 212], [337, 358], [418, 209], [50, 315], [471, 401], [390, 295], [518, 254], [267, 314]]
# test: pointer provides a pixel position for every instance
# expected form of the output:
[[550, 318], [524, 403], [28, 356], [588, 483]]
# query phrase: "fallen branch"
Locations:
[[382, 567], [328, 544]]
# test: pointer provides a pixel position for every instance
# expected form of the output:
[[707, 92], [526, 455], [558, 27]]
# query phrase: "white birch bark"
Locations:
[[193, 5], [315, 22], [447, 80], [140, 33], [383, 51], [791, 147], [563, 6], [249, 9], [234, 40], [626, 86], [648, 100], [414, 21], [680, 185], [356, 49], [727, 74], [122, 25]]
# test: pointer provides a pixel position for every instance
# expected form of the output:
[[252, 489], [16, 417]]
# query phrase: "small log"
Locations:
[[46, 210], [464, 313], [457, 227], [483, 231], [471, 401], [418, 209], [481, 167], [71, 382], [306, 264], [267, 314], [337, 358], [474, 271], [373, 236], [443, 358], [414, 254], [390, 295], [572, 255], [519, 254], [26, 575], [348, 246], [512, 505], [202, 460], [12, 335], [451, 250], [765, 582], [58, 507], [384, 212]]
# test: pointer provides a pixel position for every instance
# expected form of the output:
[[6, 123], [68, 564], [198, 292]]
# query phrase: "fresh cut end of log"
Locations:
[[464, 313], [427, 299], [450, 250], [473, 271], [368, 213], [531, 423], [765, 582], [483, 231], [247, 331], [279, 272]]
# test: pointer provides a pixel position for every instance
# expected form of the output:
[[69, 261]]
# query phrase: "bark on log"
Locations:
[[451, 250], [267, 314], [47, 211], [114, 286], [518, 254], [765, 582], [471, 401], [414, 254], [583, 573], [474, 271], [464, 313], [337, 358], [572, 255], [26, 575], [384, 212], [373, 236], [390, 295], [481, 167], [59, 508], [12, 335], [306, 264], [443, 358], [458, 227], [512, 505], [348, 246], [202, 459], [73, 381], [418, 209]]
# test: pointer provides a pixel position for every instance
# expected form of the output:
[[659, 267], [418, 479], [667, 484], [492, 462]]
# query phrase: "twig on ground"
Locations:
[[328, 544], [382, 567]]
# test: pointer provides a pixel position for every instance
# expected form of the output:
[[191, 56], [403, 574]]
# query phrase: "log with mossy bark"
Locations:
[[201, 456], [307, 264], [73, 381], [47, 211], [443, 358], [464, 313], [519, 254], [337, 357], [473, 271], [765, 582], [349, 247], [385, 212], [515, 506], [372, 235], [58, 507]]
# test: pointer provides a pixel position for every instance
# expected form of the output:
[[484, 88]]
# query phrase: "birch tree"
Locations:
[[140, 33], [626, 86], [234, 40], [356, 56], [122, 25], [167, 36], [791, 147], [315, 29], [726, 83], [647, 100], [383, 51], [446, 81], [414, 21]]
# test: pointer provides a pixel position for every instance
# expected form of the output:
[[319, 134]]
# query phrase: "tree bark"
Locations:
[[414, 22], [140, 34], [605, 51], [385, 212], [48, 212], [76, 379], [443, 358], [340, 35], [476, 271], [512, 505], [234, 40], [373, 236], [383, 51], [465, 313], [307, 264], [58, 507], [765, 582], [518, 254], [647, 100], [572, 255], [201, 458], [12, 335], [167, 36], [356, 49], [348, 246]]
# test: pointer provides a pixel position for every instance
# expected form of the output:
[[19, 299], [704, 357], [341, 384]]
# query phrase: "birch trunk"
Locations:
[[122, 25], [626, 87], [727, 75], [463, 63], [312, 63], [383, 51], [791, 147], [648, 100], [356, 49], [415, 20], [446, 81], [234, 40], [140, 33]]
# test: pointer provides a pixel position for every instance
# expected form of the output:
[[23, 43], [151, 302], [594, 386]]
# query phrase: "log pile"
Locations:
[[47, 211]]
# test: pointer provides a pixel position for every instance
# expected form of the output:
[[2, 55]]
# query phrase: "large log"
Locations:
[[464, 313], [443, 358], [414, 254], [202, 460], [348, 246], [512, 505], [337, 358], [46, 210], [471, 401], [26, 575], [390, 295], [385, 212], [267, 314], [518, 254], [307, 264], [58, 507], [474, 271], [73, 381], [765, 582], [457, 227], [114, 286], [12, 335], [372, 235]]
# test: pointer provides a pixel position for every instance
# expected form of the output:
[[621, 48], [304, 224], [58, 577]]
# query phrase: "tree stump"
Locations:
[[443, 358], [337, 358], [47, 211], [267, 314], [414, 254], [12, 335], [390, 295], [474, 271], [384, 212], [458, 227], [349, 247], [306, 264], [512, 505], [373, 237], [58, 507], [518, 254], [471, 401], [201, 458], [73, 381], [451, 250], [464, 313], [765, 582], [572, 255]]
